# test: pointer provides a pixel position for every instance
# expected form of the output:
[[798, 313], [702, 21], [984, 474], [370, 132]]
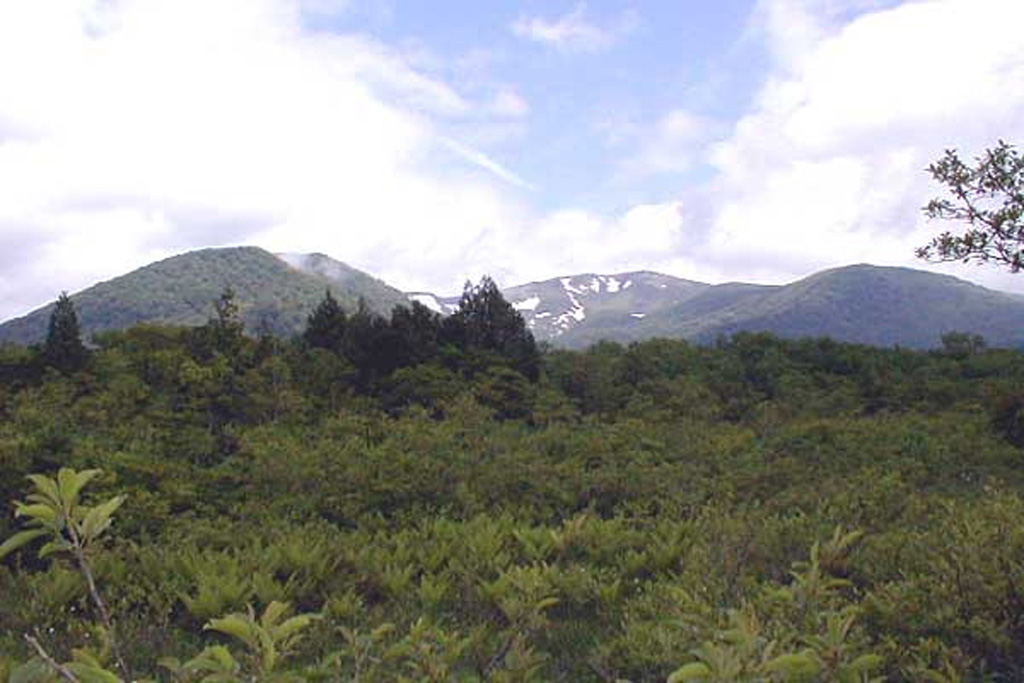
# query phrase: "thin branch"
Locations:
[[61, 670], [101, 606]]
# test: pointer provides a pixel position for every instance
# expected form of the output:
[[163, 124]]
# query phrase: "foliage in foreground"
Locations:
[[760, 510]]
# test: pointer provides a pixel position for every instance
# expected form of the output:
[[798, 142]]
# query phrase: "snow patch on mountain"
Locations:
[[529, 304], [432, 302], [553, 308]]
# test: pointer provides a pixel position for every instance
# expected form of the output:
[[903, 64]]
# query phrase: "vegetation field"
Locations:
[[418, 499]]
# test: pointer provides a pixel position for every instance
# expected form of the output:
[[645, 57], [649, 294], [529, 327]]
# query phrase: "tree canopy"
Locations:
[[63, 349], [989, 198], [487, 322]]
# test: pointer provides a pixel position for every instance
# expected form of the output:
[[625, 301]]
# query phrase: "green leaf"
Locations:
[[97, 520], [172, 664], [52, 547], [70, 483], [794, 665], [275, 610], [236, 626], [546, 603], [87, 673], [866, 663], [19, 539], [41, 512], [292, 626], [695, 671], [85, 657], [47, 488], [214, 659]]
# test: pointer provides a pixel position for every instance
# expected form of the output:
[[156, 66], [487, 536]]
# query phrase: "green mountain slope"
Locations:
[[862, 303], [181, 290]]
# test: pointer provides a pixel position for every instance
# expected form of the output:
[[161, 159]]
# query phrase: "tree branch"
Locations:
[[59, 668], [101, 606]]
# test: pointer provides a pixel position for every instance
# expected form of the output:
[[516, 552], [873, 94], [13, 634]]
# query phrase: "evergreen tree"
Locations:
[[370, 346], [325, 326], [223, 334], [417, 331], [64, 350], [485, 321]]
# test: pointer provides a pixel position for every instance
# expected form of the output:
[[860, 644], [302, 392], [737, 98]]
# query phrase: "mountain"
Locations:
[[862, 303], [553, 308], [349, 282], [275, 290]]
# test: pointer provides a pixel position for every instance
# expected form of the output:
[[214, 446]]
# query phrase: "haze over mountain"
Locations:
[[868, 304]]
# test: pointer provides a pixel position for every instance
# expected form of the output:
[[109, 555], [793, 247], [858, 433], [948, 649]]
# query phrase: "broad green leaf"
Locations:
[[47, 488], [236, 626], [866, 663], [38, 511], [19, 539], [269, 650], [214, 659], [275, 610], [57, 546], [797, 665], [70, 483], [695, 671], [97, 519], [292, 626]]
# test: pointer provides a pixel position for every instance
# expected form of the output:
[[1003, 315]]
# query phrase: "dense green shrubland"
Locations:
[[417, 500]]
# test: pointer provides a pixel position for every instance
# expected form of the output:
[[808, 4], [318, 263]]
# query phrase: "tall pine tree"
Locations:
[[63, 349], [485, 321], [325, 326]]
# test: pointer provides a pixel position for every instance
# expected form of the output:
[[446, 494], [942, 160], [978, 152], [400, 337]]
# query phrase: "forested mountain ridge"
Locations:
[[276, 292], [876, 305], [881, 306]]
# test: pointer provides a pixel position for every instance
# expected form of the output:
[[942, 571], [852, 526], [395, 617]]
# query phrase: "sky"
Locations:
[[433, 142]]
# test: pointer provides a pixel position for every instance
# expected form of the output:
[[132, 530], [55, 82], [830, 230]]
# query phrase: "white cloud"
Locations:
[[130, 130], [828, 166], [136, 129], [672, 144], [573, 32], [576, 240]]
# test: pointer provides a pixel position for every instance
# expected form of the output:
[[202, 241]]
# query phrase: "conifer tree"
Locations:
[[64, 350], [325, 326], [417, 332], [486, 321]]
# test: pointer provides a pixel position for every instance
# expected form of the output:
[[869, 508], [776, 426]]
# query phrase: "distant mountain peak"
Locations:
[[279, 290], [862, 303]]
